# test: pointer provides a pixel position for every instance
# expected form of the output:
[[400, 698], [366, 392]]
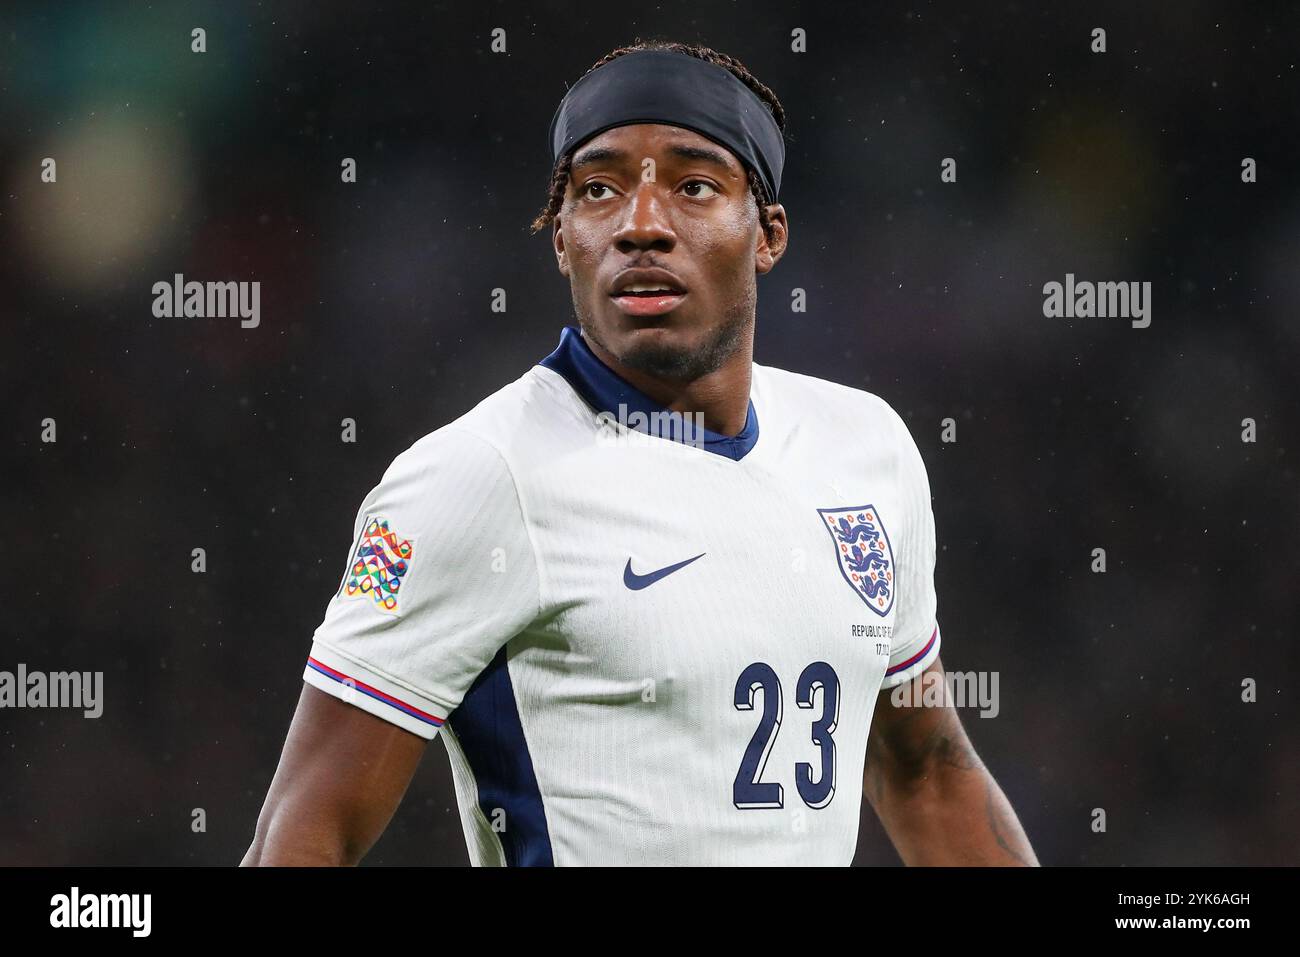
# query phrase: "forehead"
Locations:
[[633, 142]]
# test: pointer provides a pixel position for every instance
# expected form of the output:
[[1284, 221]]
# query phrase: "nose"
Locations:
[[645, 222]]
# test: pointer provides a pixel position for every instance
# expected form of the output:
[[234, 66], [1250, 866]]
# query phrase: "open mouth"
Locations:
[[647, 300]]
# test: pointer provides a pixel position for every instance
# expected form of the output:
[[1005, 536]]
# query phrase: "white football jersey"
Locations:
[[643, 647]]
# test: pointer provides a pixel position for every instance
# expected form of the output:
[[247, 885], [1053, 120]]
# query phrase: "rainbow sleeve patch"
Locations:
[[380, 565]]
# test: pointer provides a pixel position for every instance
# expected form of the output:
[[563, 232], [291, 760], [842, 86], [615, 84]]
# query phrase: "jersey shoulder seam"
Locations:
[[456, 426], [817, 382]]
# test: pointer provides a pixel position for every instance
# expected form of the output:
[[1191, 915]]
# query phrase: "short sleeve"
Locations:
[[440, 574], [916, 630]]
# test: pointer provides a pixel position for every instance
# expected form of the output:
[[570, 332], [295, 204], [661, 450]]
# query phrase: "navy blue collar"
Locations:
[[604, 390]]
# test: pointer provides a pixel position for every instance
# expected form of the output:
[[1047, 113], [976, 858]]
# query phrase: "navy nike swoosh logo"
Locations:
[[636, 582]]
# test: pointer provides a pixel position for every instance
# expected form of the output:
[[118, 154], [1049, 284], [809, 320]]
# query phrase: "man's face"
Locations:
[[655, 197]]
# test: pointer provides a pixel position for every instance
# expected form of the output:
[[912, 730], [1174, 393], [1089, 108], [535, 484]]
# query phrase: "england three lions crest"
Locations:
[[865, 557]]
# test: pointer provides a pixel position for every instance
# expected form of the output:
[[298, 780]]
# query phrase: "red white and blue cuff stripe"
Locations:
[[343, 678], [914, 663]]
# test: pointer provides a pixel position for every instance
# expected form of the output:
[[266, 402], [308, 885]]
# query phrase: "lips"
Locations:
[[657, 304], [646, 292], [650, 276]]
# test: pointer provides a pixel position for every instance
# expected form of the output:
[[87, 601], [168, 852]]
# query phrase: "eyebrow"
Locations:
[[601, 154]]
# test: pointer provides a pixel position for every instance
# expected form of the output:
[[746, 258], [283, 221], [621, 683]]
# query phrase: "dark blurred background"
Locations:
[[1119, 691]]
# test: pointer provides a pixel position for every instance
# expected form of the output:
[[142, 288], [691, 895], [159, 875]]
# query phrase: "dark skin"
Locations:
[[342, 774], [697, 219], [938, 803], [343, 771]]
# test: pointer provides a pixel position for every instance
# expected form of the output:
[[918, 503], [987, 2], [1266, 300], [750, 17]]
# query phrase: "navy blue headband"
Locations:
[[664, 86]]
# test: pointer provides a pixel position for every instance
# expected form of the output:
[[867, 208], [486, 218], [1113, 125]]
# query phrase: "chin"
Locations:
[[664, 348]]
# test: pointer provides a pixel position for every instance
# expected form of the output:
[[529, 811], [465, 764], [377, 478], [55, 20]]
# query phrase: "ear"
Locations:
[[768, 252], [557, 242]]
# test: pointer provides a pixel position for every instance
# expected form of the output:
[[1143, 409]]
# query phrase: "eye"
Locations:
[[706, 184], [586, 190]]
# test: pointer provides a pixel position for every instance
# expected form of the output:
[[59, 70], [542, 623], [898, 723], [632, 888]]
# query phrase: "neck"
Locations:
[[721, 397]]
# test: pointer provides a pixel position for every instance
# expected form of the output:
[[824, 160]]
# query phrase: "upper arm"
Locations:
[[903, 738], [911, 736], [341, 776], [439, 576]]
